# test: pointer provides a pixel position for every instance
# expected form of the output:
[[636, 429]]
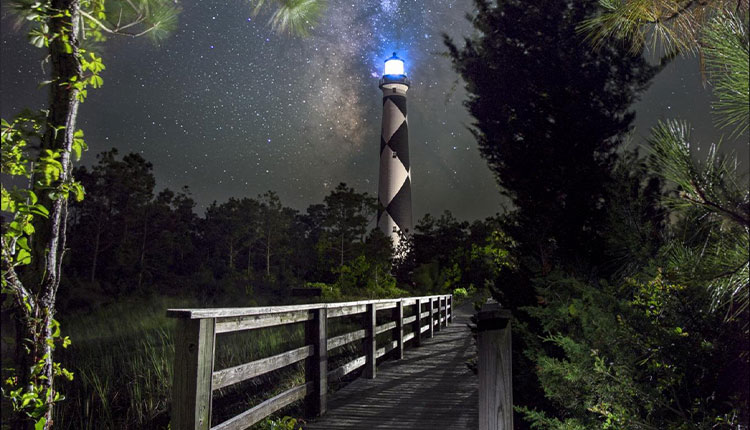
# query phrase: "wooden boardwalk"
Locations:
[[430, 389]]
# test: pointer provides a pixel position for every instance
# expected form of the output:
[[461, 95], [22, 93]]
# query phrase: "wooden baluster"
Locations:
[[398, 316], [316, 367], [418, 323], [193, 368], [450, 311], [495, 370], [370, 342]]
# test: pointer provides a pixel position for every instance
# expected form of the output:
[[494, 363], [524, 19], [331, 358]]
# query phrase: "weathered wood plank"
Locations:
[[370, 346], [226, 377], [390, 346], [433, 311], [259, 310], [347, 368], [257, 413], [417, 324], [495, 368], [385, 327], [344, 339], [408, 337], [226, 325], [316, 367], [346, 311], [193, 366], [409, 320], [382, 306], [398, 316]]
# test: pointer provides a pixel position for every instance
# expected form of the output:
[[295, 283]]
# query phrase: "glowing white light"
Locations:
[[394, 66]]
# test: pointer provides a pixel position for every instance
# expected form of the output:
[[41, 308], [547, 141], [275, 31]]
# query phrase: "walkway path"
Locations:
[[430, 389]]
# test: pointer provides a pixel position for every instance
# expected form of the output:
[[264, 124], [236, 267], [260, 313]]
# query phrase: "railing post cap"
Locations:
[[493, 316]]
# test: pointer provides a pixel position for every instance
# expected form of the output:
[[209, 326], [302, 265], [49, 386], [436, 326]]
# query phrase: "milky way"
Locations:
[[229, 108]]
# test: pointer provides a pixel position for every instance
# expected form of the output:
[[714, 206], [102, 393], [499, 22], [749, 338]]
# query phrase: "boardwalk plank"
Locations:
[[430, 389]]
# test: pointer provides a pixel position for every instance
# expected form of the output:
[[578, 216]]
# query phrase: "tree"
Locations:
[[345, 219], [715, 30], [57, 26], [672, 25], [549, 116], [275, 225], [668, 347], [60, 27]]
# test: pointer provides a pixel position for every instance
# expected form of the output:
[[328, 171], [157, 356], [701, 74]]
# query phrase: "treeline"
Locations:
[[128, 239]]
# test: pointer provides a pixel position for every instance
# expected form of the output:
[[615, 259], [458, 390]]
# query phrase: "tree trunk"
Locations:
[[61, 125], [341, 262]]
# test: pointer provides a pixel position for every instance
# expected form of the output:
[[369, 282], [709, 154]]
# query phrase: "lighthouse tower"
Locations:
[[394, 187]]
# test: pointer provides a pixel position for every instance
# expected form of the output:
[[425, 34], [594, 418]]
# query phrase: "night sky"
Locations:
[[229, 108]]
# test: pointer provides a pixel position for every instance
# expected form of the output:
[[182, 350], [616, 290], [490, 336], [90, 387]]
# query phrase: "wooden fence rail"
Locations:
[[195, 378]]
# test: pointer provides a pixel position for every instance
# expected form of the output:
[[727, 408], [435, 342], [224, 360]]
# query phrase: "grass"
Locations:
[[122, 357]]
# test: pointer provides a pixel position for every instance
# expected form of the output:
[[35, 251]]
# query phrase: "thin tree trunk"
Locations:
[[341, 262], [61, 121], [143, 250]]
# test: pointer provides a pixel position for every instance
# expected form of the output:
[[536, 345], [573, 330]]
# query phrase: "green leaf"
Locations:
[[23, 243], [96, 81], [40, 424], [39, 210], [23, 257]]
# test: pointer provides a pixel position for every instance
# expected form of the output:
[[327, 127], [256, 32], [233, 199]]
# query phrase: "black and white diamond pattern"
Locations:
[[394, 187]]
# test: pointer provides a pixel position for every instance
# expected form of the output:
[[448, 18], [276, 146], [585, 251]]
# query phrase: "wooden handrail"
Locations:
[[261, 310], [195, 378]]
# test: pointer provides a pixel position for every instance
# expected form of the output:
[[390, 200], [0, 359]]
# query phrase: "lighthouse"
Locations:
[[394, 186]]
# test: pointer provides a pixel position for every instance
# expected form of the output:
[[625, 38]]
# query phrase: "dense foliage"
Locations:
[[549, 115], [633, 309]]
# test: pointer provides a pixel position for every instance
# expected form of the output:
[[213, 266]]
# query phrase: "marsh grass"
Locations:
[[122, 357]]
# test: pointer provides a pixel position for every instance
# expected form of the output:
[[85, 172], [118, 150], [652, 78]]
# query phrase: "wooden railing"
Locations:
[[195, 379]]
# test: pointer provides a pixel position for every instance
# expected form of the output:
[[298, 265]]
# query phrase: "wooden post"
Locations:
[[495, 370], [398, 316], [450, 311], [431, 318], [418, 323], [437, 318], [443, 313], [316, 367], [370, 342], [193, 369]]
